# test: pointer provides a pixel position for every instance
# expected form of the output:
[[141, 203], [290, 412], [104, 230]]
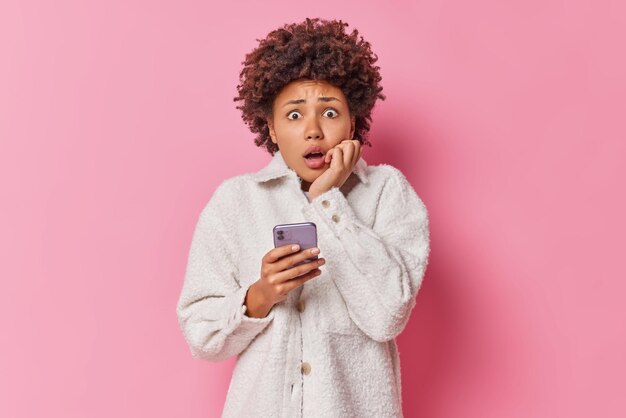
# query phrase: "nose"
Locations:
[[313, 130]]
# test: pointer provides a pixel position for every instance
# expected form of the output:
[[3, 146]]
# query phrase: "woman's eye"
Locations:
[[293, 113], [333, 113]]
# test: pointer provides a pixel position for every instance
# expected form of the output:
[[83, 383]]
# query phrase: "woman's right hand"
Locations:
[[279, 277]]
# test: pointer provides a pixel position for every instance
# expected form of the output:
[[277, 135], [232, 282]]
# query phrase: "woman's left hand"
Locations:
[[342, 157]]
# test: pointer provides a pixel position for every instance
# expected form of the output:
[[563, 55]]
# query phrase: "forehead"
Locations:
[[303, 89]]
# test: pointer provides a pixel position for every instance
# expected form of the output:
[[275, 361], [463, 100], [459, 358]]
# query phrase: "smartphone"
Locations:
[[304, 234]]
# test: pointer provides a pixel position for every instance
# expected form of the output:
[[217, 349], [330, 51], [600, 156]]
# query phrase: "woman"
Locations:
[[318, 339]]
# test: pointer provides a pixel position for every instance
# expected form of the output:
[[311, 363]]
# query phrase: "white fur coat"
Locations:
[[329, 349]]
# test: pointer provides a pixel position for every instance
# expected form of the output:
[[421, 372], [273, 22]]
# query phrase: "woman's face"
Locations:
[[309, 113]]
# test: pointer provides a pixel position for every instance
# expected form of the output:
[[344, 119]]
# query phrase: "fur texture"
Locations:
[[376, 250]]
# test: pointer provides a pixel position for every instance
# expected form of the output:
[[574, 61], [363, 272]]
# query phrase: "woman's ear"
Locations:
[[270, 126]]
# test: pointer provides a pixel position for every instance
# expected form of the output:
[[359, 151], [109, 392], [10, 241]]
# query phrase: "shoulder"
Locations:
[[236, 188], [235, 195], [383, 173], [387, 176], [222, 197], [395, 186]]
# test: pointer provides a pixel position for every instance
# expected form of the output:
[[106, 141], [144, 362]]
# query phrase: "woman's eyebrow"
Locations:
[[319, 99]]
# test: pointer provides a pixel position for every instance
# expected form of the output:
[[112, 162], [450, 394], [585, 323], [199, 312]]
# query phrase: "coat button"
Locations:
[[300, 306], [306, 368], [335, 218], [325, 203]]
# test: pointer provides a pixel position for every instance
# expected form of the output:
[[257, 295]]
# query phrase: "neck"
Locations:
[[304, 185]]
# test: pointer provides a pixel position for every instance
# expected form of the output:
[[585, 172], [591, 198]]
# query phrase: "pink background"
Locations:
[[117, 123]]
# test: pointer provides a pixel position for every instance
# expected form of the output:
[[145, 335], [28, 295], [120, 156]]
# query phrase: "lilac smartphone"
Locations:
[[303, 234]]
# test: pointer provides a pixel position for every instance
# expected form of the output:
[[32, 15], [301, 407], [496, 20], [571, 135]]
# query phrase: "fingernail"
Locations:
[[295, 247], [315, 251]]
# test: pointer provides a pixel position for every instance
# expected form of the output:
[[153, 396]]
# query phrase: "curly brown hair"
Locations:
[[314, 49]]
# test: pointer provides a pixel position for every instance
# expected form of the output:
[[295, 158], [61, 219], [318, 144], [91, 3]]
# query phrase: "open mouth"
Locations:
[[314, 160]]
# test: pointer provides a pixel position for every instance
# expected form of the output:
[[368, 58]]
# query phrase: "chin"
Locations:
[[310, 174], [308, 177]]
